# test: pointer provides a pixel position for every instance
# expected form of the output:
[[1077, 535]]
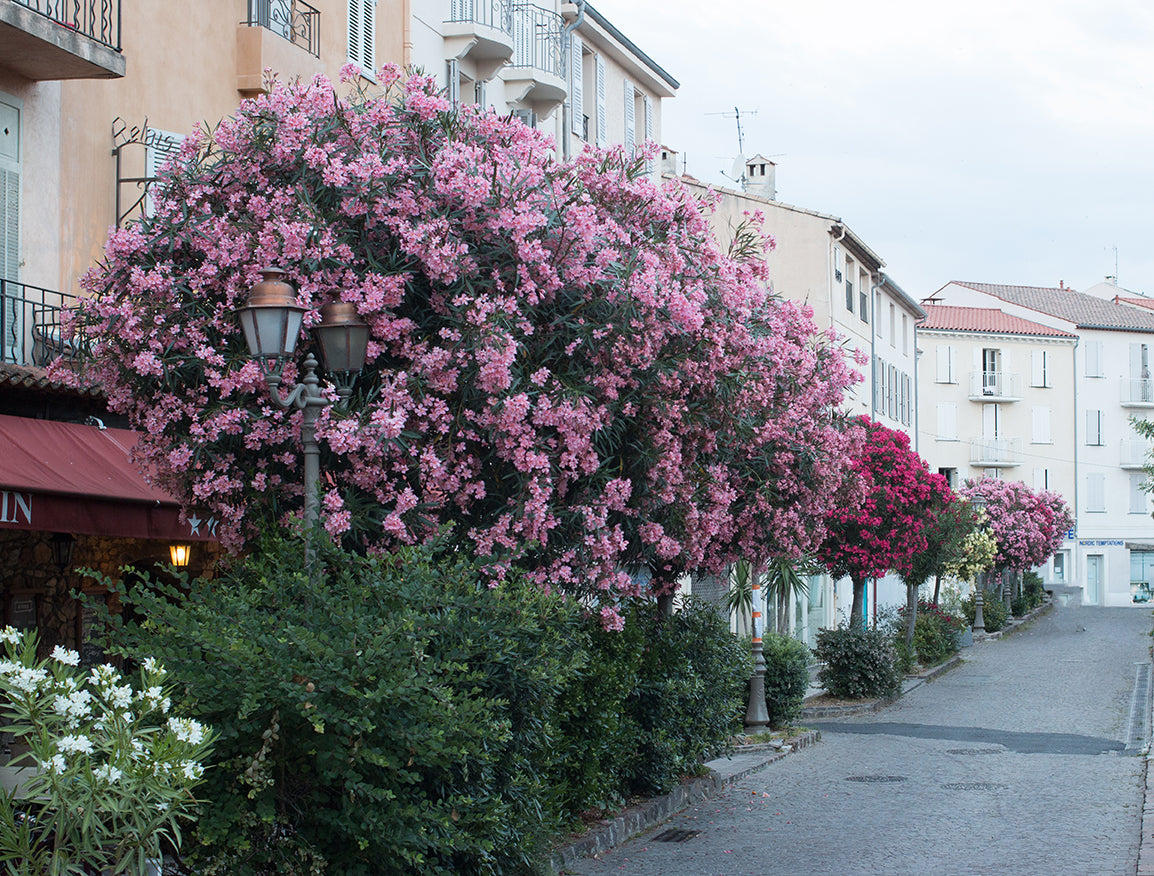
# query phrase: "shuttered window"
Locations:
[[630, 118], [947, 366], [602, 121], [947, 421], [1094, 428], [1094, 359], [362, 34], [577, 96], [9, 189], [1041, 366], [159, 147], [1041, 425], [1096, 492]]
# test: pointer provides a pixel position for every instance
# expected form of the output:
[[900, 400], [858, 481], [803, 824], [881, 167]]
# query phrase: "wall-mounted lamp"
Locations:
[[62, 545], [180, 554]]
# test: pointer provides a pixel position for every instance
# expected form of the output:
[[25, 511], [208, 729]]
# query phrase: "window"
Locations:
[[602, 124], [878, 313], [1095, 492], [1094, 359], [1139, 504], [630, 118], [362, 35], [893, 325], [10, 166], [893, 394], [1041, 479], [849, 295], [577, 98], [947, 364], [1093, 428], [453, 82], [1140, 389], [837, 264], [1061, 560], [991, 371], [951, 476], [905, 335], [947, 421], [1141, 575], [863, 303], [1040, 417], [1041, 365], [159, 147]]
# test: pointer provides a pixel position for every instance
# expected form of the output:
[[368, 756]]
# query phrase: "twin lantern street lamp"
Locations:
[[271, 320]]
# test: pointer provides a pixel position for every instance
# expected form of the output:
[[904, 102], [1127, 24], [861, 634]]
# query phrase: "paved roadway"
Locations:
[[1014, 763]]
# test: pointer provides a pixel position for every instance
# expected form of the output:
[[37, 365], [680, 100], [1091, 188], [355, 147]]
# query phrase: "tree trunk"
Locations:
[[665, 604], [937, 587], [856, 614], [911, 616]]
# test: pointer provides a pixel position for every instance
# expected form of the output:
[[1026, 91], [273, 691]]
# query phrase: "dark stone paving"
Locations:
[[1012, 763]]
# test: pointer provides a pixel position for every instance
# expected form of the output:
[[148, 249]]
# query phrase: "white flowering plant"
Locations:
[[113, 771]]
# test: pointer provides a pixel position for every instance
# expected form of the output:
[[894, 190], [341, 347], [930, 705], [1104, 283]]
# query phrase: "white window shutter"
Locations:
[[1041, 479], [649, 121], [1037, 368], [1093, 358], [1041, 425], [602, 121], [947, 421], [630, 118], [159, 147], [1138, 500], [1095, 491], [1093, 427], [9, 225], [480, 94], [577, 96], [945, 364], [453, 81]]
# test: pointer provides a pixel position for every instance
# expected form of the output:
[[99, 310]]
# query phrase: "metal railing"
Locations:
[[995, 384], [995, 451], [537, 39], [96, 19], [297, 22], [490, 13], [1133, 452], [30, 326], [1137, 391]]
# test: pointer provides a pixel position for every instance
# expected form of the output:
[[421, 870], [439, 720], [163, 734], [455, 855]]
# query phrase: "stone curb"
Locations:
[[1146, 842], [656, 810], [1014, 623], [865, 707]]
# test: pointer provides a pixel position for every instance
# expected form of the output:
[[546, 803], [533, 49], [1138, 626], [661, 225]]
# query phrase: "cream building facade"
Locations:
[[1111, 555]]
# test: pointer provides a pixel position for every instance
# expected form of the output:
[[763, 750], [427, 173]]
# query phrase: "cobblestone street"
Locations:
[[1024, 760]]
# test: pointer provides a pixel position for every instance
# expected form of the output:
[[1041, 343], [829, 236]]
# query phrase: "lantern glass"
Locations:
[[180, 554], [343, 338], [271, 320]]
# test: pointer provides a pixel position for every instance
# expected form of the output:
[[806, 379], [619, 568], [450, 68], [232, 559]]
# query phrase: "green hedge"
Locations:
[[786, 678], [857, 663]]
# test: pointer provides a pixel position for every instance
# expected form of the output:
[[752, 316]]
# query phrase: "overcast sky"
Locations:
[[998, 141]]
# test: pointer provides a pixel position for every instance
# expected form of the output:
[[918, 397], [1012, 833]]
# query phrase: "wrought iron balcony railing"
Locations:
[[537, 39], [297, 22], [96, 19], [497, 14], [30, 326]]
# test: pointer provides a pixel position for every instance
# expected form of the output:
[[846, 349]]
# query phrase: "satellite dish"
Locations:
[[738, 171]]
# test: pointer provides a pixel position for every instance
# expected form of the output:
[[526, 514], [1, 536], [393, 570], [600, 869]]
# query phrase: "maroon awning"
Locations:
[[64, 477]]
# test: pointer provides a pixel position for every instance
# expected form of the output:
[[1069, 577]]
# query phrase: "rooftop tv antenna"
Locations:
[[738, 171]]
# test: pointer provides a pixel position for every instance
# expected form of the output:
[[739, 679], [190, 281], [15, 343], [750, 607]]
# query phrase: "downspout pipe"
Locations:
[[566, 53]]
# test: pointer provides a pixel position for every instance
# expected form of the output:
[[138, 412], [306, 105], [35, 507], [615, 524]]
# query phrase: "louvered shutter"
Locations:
[[362, 31], [1041, 425], [602, 134], [577, 70], [9, 224], [947, 421], [453, 81], [630, 118], [160, 146], [480, 93], [648, 118]]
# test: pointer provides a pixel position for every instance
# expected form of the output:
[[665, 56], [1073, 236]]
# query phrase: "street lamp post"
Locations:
[[271, 320], [979, 504]]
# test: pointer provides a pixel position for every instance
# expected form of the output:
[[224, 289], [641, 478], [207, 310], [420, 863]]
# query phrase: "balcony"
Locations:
[[1137, 392], [995, 386], [30, 325], [282, 35], [1133, 453], [537, 75], [995, 452], [480, 33], [46, 40]]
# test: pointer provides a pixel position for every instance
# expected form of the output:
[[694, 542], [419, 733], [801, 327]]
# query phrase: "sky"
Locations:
[[997, 141]]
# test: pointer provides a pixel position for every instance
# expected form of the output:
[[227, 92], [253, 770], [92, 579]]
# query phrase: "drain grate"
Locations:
[[1138, 727], [875, 779], [974, 750], [975, 786], [675, 835]]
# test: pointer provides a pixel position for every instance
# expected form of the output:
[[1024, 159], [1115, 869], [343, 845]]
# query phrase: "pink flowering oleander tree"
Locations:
[[562, 364], [885, 529], [1029, 526]]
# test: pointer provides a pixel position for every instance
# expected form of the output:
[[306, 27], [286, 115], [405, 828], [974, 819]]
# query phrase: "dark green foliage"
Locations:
[[993, 610], [858, 663], [936, 634], [690, 697], [1031, 596], [786, 678], [391, 715]]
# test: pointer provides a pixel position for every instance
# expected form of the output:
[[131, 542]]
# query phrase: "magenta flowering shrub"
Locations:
[[562, 362], [886, 529], [1029, 526]]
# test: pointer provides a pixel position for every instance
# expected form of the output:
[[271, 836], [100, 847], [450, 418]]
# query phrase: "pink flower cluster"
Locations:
[[1029, 526], [562, 362]]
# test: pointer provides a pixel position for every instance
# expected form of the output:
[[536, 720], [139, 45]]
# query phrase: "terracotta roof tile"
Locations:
[[984, 319], [1084, 311], [31, 377], [1147, 303]]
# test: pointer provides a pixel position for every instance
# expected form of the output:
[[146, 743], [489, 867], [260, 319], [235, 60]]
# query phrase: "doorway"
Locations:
[[1092, 594]]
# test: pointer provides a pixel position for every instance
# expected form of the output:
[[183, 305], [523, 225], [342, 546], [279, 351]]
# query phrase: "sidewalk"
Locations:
[[750, 759]]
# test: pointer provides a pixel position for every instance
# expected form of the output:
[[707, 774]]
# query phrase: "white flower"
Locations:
[[192, 770], [103, 675], [74, 744], [150, 665], [120, 697], [154, 698], [66, 656], [28, 680], [56, 764], [11, 635], [107, 773], [74, 706], [7, 667], [187, 730]]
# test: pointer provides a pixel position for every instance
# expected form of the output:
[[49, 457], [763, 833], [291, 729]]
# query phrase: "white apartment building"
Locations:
[[561, 67], [1112, 552], [820, 262], [996, 402]]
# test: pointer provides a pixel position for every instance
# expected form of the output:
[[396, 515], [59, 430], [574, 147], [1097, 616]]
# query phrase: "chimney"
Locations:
[[668, 161], [760, 177]]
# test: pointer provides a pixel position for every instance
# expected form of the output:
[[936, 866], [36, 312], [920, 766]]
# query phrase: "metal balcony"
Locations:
[[480, 33], [1133, 453], [999, 386], [995, 452], [292, 20], [537, 74], [30, 325], [1137, 392], [46, 40]]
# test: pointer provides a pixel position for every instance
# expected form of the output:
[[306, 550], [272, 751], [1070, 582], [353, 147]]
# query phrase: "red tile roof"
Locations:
[[1084, 311], [984, 319], [1148, 303]]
